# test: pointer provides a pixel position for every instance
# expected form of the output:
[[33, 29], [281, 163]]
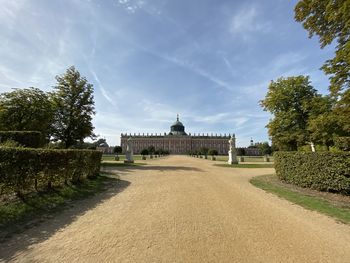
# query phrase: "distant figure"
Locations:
[[129, 152]]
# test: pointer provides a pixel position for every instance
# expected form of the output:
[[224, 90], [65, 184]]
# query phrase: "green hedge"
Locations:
[[25, 169], [324, 171], [342, 143], [32, 139]]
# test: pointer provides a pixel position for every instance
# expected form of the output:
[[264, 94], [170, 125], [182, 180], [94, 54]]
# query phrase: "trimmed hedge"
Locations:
[[342, 143], [323, 171], [32, 139], [27, 169]]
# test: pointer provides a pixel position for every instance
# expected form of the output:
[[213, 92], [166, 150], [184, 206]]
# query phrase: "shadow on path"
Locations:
[[48, 227]]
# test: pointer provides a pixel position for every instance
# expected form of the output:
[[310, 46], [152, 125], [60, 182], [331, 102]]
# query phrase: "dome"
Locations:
[[177, 128]]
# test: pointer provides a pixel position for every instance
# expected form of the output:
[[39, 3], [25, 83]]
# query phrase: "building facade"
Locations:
[[177, 141]]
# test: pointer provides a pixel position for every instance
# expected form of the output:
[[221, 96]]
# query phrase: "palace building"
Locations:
[[177, 141]]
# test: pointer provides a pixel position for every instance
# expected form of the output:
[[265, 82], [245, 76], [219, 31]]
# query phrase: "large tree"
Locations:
[[26, 110], [74, 107], [289, 101], [330, 21]]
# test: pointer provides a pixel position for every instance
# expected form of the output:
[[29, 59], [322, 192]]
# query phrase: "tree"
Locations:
[[263, 147], [240, 151], [330, 21], [323, 123], [74, 107], [151, 149], [144, 152], [288, 99], [26, 110], [101, 142], [117, 150], [204, 151], [213, 152]]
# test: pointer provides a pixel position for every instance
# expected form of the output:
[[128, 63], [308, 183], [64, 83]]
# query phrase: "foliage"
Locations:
[[289, 100], [240, 151], [26, 110], [25, 169], [264, 148], [151, 149], [323, 123], [213, 152], [324, 171], [117, 149], [9, 143], [74, 106], [31, 139], [342, 143], [203, 151], [330, 21], [144, 152], [101, 142]]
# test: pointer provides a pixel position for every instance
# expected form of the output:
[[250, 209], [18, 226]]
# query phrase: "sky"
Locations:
[[210, 61]]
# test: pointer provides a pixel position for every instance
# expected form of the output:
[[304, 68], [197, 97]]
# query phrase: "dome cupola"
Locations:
[[177, 128]]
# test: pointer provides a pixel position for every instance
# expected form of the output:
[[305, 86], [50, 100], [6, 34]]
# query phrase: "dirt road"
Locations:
[[182, 209]]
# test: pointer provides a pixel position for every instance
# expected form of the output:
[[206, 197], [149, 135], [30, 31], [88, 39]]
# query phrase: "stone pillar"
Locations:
[[232, 154]]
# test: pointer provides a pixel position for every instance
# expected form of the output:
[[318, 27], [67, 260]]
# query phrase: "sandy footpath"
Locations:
[[182, 209]]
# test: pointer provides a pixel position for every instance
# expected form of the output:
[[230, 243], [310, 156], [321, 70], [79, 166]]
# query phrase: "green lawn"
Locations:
[[247, 165], [270, 184], [16, 215]]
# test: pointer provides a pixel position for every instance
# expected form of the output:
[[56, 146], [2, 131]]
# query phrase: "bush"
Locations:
[[32, 139], [213, 152], [342, 143], [240, 151], [144, 152], [324, 171], [26, 169]]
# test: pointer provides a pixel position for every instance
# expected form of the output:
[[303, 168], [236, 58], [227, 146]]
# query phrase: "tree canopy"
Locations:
[[289, 100], [74, 107], [330, 21], [26, 110]]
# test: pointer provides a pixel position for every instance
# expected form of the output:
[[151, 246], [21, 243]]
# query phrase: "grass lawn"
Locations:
[[247, 165], [333, 205], [17, 215], [120, 164]]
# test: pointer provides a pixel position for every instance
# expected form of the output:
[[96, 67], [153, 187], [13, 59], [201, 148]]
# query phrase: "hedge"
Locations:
[[323, 171], [27, 169], [342, 143], [32, 139]]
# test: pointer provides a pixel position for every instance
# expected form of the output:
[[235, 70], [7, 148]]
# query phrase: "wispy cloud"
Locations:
[[102, 89], [248, 21]]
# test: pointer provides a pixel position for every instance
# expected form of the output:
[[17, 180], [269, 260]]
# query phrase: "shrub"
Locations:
[[144, 152], [213, 152], [240, 151], [32, 139], [342, 143], [26, 169], [324, 171]]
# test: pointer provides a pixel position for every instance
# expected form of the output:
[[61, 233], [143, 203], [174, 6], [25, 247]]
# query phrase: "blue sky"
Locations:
[[210, 60]]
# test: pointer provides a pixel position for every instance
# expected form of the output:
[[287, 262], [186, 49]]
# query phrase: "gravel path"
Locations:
[[181, 209]]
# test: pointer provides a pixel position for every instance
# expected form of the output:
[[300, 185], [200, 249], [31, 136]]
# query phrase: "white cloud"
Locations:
[[102, 89], [247, 21]]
